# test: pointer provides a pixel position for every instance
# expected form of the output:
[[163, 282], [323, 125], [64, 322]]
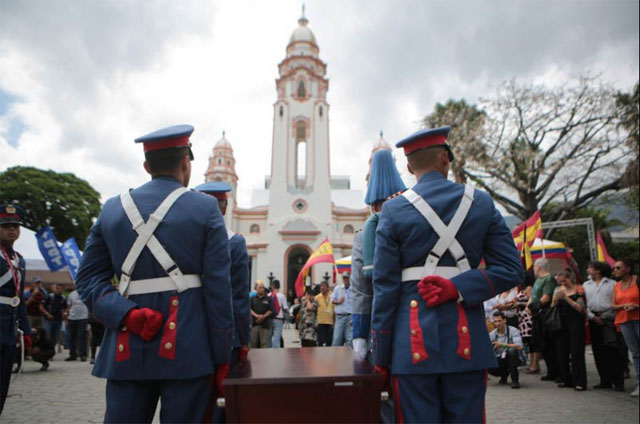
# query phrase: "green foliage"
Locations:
[[61, 200], [467, 130], [628, 109], [576, 237], [628, 249]]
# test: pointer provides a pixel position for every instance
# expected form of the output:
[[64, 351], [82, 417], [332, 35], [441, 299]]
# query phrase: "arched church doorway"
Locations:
[[295, 258]]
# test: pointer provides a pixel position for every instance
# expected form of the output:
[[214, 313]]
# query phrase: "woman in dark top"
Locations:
[[570, 300]]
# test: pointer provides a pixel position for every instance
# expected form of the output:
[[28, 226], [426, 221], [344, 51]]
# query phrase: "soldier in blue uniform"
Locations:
[[240, 286], [169, 323], [12, 307], [428, 321]]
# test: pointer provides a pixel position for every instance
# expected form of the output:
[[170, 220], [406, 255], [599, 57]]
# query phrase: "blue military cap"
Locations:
[[11, 214], [215, 188], [425, 139], [167, 138], [384, 178]]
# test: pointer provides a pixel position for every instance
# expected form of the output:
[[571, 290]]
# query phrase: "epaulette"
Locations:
[[395, 195]]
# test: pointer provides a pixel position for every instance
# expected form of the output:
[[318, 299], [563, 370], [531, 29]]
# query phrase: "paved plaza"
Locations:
[[68, 393]]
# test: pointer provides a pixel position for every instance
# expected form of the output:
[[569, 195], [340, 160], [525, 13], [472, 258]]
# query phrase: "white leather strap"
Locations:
[[447, 234], [417, 273], [230, 234], [11, 301], [163, 284], [146, 238], [6, 278]]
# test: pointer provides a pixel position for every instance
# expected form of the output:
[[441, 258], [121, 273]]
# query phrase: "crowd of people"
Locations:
[[59, 320], [552, 317], [321, 317]]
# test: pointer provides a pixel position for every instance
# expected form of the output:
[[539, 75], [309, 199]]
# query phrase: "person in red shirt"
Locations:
[[625, 301]]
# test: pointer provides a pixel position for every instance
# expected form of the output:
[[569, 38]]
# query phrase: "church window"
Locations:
[[302, 92], [320, 111], [301, 131], [281, 111], [219, 161], [254, 229], [299, 205], [348, 229], [301, 163], [228, 163]]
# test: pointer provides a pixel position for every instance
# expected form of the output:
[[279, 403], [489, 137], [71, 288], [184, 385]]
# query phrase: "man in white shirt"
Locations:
[[279, 307], [78, 317], [341, 298], [507, 345]]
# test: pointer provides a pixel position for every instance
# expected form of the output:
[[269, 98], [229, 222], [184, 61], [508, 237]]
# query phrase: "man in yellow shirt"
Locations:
[[325, 315]]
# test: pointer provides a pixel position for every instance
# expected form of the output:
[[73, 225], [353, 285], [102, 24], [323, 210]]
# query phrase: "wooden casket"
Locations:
[[315, 384]]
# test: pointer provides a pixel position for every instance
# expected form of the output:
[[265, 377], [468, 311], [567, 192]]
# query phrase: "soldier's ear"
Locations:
[[146, 167], [410, 170]]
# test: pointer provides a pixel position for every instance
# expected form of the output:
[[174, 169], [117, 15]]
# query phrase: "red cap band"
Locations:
[[221, 195], [429, 141], [10, 215], [166, 144]]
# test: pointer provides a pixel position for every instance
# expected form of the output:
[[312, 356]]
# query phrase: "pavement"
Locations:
[[68, 393]]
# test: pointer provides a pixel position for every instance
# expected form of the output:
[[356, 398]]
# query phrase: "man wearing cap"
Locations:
[[12, 307], [239, 274], [342, 298], [428, 320], [169, 323]]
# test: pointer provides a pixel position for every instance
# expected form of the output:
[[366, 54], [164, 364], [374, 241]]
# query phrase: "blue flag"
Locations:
[[49, 248], [72, 255]]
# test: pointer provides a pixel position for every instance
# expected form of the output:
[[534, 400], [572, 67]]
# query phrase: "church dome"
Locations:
[[302, 33], [223, 143]]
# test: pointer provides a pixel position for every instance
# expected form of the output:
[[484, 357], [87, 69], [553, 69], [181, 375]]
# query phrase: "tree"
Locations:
[[61, 200], [628, 105], [544, 145], [467, 130]]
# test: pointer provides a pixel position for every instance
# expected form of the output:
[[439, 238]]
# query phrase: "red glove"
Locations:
[[436, 290], [242, 354], [222, 371], [27, 342], [387, 377], [143, 322]]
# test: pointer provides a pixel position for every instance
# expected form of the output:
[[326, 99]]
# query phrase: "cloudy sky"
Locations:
[[79, 80]]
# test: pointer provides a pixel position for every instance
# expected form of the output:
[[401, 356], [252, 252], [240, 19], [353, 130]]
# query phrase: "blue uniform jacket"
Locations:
[[194, 235], [240, 290], [9, 314], [404, 239]]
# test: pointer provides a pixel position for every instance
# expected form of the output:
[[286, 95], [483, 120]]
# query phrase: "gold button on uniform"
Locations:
[[172, 326], [413, 332], [175, 302], [168, 345], [121, 347], [414, 304], [465, 330], [466, 352], [416, 356]]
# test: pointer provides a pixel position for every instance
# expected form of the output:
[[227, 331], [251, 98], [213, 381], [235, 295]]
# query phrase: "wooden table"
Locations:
[[314, 384]]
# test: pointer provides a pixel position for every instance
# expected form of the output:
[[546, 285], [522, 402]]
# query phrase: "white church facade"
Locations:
[[301, 203]]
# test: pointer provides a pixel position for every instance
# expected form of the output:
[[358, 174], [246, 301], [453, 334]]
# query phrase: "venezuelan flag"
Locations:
[[324, 253], [343, 264]]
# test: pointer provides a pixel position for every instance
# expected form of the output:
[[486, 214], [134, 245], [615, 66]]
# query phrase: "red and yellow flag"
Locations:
[[324, 253], [528, 231], [603, 256]]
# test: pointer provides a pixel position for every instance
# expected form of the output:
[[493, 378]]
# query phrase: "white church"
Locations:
[[301, 203]]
